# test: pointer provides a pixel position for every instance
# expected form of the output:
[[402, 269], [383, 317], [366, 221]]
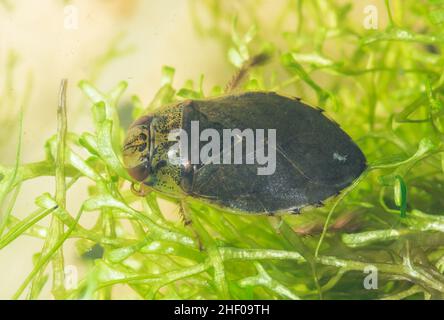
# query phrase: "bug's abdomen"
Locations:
[[314, 160]]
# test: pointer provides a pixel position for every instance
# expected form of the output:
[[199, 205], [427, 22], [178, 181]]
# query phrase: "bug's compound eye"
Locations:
[[136, 151]]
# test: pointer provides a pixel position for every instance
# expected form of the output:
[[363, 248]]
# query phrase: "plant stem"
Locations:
[[56, 225]]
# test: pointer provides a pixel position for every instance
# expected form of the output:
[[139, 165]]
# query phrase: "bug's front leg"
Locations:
[[140, 189]]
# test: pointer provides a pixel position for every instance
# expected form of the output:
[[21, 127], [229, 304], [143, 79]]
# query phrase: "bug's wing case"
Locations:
[[315, 158]]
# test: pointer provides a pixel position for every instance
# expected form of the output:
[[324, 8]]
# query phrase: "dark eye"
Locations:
[[135, 152], [161, 164], [142, 147]]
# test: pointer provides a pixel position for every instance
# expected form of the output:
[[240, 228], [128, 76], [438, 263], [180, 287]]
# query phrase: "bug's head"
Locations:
[[138, 148]]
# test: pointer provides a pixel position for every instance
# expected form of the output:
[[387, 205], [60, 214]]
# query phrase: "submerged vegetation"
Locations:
[[384, 86]]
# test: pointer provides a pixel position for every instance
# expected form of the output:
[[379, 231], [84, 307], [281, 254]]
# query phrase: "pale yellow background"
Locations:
[[162, 34]]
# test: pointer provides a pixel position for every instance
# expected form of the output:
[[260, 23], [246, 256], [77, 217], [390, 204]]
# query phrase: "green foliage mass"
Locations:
[[385, 87]]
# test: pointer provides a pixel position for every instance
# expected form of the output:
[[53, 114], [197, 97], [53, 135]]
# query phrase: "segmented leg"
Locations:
[[188, 222], [241, 74]]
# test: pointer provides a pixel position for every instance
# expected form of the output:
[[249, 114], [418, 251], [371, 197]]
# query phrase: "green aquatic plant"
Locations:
[[10, 101], [384, 86], [6, 4]]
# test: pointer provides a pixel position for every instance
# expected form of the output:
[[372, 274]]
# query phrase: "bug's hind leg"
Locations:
[[242, 73], [188, 222]]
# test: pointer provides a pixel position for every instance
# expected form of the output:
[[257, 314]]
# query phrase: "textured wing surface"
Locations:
[[315, 158]]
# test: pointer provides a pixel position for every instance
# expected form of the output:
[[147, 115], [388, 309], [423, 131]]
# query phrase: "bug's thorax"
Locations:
[[166, 120], [164, 176], [146, 143]]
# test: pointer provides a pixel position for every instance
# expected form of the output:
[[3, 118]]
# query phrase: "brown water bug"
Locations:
[[314, 159]]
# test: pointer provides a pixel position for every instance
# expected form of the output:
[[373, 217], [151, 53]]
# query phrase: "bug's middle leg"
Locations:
[[188, 222]]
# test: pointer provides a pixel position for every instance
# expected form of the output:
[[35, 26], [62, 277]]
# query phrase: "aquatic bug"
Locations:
[[314, 158]]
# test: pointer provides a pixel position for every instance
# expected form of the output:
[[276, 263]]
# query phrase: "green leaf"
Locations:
[[167, 76], [400, 194], [188, 94], [105, 149], [235, 57]]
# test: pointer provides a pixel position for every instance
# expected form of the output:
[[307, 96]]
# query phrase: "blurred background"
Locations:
[[106, 41]]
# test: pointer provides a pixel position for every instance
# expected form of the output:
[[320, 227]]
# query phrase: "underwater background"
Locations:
[[70, 226]]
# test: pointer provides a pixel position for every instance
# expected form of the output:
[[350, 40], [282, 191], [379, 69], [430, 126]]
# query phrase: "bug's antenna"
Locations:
[[241, 74]]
